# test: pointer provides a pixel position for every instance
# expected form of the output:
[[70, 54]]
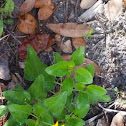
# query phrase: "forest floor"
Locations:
[[107, 48]]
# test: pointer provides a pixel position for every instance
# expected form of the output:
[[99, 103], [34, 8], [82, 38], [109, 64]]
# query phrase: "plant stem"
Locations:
[[38, 119], [58, 83], [33, 115], [58, 92], [46, 123], [61, 79]]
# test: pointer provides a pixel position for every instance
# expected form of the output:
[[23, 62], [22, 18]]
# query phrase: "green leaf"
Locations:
[[82, 105], [81, 113], [104, 98], [90, 33], [78, 56], [96, 94], [79, 86], [47, 118], [57, 57], [33, 66], [68, 84], [8, 21], [75, 122], [96, 90], [49, 82], [38, 110], [1, 26], [85, 35], [84, 76], [9, 6], [3, 110], [15, 97], [61, 116], [31, 122], [36, 89], [69, 103], [12, 122], [20, 112], [97, 98], [71, 64], [19, 88], [55, 104], [59, 69], [91, 69]]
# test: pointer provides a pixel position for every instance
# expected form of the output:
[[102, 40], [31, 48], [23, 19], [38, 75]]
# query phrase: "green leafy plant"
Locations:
[[89, 34], [42, 104], [5, 9]]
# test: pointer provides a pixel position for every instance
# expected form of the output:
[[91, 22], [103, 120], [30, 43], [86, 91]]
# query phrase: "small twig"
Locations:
[[4, 37], [67, 10], [23, 36], [20, 79], [93, 118], [110, 110], [105, 119], [97, 116], [76, 7], [13, 36], [2, 46], [1, 96]]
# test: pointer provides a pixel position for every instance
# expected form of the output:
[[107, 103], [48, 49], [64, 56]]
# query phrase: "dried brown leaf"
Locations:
[[14, 78], [78, 42], [3, 120], [124, 2], [118, 120], [44, 13], [64, 46], [49, 49], [28, 24], [26, 7], [85, 4], [113, 9], [3, 87], [41, 3], [86, 62], [73, 30], [38, 42]]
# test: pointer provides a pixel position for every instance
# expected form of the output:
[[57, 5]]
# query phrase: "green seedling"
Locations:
[[89, 34], [5, 9], [36, 107]]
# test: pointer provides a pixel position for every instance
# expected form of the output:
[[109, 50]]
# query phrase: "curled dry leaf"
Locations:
[[28, 24], [26, 7], [44, 13], [113, 9], [38, 42], [3, 87], [40, 3], [64, 46], [97, 8], [118, 119], [49, 49], [73, 30], [78, 42], [85, 4], [46, 8], [86, 62]]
